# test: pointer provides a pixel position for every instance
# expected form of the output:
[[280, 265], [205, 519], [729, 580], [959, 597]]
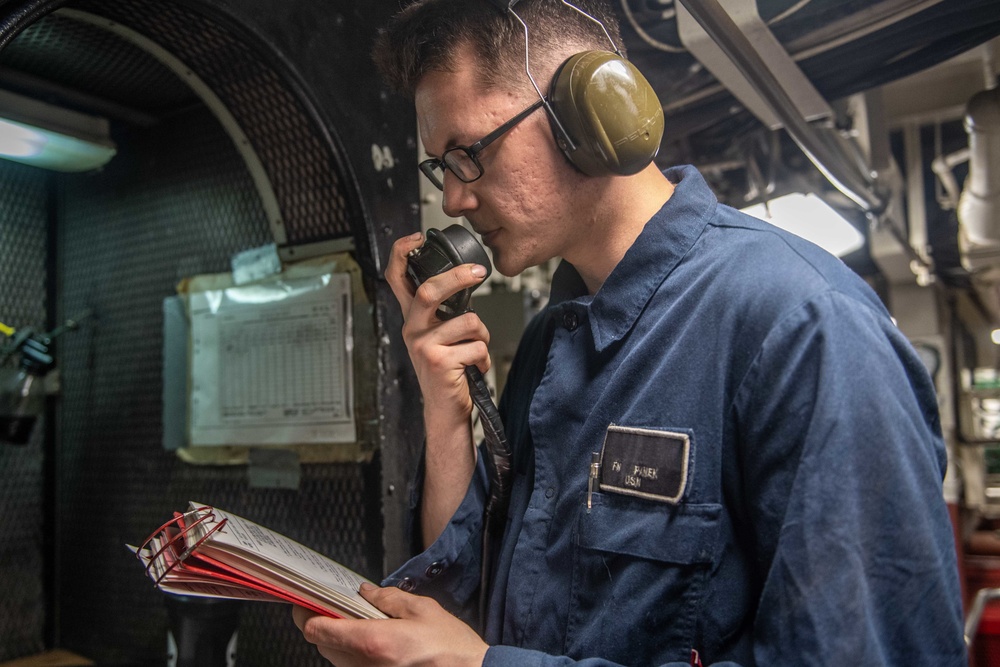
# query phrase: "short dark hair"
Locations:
[[426, 35]]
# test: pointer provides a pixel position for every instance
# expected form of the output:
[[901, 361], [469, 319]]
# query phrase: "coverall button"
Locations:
[[570, 320], [549, 492], [434, 569], [405, 584]]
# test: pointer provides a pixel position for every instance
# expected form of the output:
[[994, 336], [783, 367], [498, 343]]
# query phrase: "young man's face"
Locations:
[[522, 204]]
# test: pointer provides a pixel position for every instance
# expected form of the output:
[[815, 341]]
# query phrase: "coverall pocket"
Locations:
[[639, 575]]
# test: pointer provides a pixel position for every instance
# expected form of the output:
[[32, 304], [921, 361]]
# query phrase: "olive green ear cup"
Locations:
[[610, 112]]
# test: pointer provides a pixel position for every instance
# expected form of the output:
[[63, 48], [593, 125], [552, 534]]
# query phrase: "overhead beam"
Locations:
[[824, 146]]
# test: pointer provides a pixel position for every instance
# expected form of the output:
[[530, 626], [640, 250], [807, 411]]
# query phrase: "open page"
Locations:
[[270, 556], [212, 553]]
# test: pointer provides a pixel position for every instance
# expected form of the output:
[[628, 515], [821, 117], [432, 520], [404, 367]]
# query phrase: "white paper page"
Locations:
[[203, 590], [184, 582], [272, 363], [272, 556]]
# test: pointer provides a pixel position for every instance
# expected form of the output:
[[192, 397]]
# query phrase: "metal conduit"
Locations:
[[824, 147], [984, 596]]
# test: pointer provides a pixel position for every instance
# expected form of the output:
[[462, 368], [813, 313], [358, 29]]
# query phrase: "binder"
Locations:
[[209, 552]]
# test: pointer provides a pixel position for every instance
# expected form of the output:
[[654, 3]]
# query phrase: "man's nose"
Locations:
[[458, 197]]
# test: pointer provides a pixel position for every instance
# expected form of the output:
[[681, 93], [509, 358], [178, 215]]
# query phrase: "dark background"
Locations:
[[178, 201]]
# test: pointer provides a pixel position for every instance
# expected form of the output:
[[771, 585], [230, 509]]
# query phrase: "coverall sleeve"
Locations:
[[843, 461], [448, 570], [507, 656]]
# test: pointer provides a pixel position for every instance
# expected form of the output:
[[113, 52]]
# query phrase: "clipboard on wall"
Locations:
[[268, 364]]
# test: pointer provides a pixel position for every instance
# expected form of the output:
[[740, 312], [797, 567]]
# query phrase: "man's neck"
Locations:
[[615, 221]]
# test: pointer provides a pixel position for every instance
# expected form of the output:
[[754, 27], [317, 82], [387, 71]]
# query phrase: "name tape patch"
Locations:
[[646, 463]]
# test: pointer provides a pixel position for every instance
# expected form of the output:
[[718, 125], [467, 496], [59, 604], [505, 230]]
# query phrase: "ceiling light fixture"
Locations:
[[43, 135], [810, 217]]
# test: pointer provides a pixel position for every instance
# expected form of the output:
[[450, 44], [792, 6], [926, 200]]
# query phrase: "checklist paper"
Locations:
[[271, 363]]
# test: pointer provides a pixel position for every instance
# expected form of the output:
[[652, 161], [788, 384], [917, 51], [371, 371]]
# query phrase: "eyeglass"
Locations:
[[463, 161]]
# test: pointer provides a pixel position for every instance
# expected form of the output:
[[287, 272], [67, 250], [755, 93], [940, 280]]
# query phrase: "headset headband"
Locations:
[[507, 6], [584, 99]]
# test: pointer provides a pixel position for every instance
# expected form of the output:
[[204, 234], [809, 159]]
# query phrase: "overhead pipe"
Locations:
[[827, 150], [942, 167]]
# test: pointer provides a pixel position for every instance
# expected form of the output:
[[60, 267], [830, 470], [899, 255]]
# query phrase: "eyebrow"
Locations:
[[452, 143], [449, 144]]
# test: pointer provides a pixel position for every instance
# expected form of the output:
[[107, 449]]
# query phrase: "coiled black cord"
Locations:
[[498, 462]]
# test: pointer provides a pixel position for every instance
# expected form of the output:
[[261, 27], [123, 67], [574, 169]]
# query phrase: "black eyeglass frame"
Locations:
[[429, 165]]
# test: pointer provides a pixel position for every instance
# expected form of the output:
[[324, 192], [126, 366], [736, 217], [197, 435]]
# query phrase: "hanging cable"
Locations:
[[794, 9], [656, 44]]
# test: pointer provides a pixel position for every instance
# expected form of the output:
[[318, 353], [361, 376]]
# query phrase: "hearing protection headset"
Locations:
[[605, 115]]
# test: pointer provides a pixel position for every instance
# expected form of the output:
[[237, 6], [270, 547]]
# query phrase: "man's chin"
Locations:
[[507, 270], [502, 266]]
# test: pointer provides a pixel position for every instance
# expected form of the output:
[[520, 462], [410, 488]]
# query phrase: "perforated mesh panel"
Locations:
[[296, 157], [23, 255], [176, 202], [86, 58]]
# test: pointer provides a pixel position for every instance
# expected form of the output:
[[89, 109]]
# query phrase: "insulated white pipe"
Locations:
[[979, 205]]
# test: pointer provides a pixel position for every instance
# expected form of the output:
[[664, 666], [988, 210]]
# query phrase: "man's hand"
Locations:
[[419, 632], [440, 351]]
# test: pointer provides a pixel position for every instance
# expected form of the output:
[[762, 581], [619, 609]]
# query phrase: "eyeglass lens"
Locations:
[[458, 161]]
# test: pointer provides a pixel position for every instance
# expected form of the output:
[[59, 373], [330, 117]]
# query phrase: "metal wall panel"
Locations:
[[175, 202], [296, 157], [297, 77], [24, 218]]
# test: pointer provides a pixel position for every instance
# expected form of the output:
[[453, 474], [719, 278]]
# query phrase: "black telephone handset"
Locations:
[[444, 250]]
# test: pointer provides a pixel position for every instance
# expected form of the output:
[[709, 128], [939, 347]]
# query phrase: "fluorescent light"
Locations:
[[995, 336], [811, 218], [50, 137], [17, 140]]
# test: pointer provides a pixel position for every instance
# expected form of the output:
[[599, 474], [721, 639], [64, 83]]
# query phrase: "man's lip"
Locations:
[[488, 235]]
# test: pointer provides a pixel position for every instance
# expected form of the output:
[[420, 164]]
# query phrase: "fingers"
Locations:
[[300, 615], [419, 631], [395, 271], [326, 631], [437, 289], [336, 638], [449, 346], [440, 350], [454, 332], [349, 642], [320, 631], [434, 290], [397, 603]]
